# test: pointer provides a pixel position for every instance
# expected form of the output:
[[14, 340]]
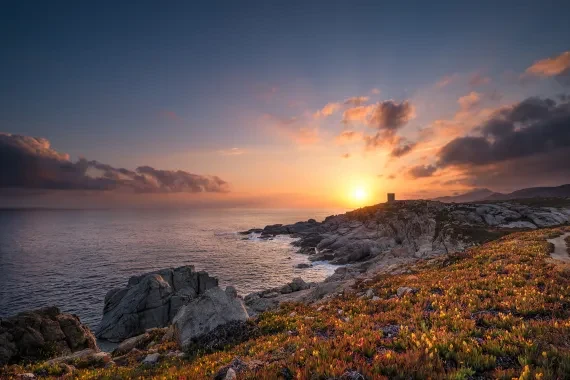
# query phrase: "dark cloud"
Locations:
[[390, 115], [527, 144], [421, 171], [533, 126], [402, 149], [30, 163]]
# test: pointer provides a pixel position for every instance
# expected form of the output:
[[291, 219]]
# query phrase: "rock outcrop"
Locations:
[[150, 300], [412, 229], [42, 333], [296, 291], [212, 309]]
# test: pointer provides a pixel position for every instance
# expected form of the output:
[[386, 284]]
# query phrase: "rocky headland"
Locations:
[[386, 233]]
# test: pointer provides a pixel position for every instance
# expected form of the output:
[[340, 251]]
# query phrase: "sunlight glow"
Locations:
[[359, 195]]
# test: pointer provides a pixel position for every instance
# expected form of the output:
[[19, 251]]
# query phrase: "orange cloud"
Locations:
[[299, 131], [550, 67], [469, 101], [327, 110], [358, 114], [232, 152], [348, 136], [356, 100]]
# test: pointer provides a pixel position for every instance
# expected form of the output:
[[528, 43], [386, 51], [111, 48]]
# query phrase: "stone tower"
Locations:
[[391, 197]]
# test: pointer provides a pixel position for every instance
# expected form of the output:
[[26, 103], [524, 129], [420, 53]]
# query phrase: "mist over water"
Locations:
[[71, 258]]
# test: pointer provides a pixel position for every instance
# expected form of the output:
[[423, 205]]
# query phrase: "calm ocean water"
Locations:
[[71, 258]]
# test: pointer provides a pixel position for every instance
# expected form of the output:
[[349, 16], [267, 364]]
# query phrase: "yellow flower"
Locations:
[[544, 354]]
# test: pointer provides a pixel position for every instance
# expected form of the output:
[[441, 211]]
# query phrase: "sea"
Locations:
[[72, 258]]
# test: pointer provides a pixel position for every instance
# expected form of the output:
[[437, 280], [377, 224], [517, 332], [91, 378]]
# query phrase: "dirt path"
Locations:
[[560, 248]]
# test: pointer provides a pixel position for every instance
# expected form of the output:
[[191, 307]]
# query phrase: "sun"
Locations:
[[359, 194]]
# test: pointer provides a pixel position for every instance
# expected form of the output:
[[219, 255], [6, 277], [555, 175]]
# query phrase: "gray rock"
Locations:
[[403, 290], [150, 300], [128, 344], [298, 284], [519, 224], [27, 375], [286, 289], [212, 309], [88, 357], [151, 359], [230, 374], [303, 265], [42, 333]]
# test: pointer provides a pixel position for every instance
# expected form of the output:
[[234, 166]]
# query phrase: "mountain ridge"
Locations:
[[484, 194]]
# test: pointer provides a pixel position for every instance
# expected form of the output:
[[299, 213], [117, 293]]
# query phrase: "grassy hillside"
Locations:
[[501, 310]]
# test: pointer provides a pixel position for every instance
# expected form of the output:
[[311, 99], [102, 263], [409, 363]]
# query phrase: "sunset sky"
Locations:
[[280, 104]]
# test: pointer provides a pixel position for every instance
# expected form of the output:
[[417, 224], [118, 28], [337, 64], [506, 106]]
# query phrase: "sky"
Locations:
[[280, 104]]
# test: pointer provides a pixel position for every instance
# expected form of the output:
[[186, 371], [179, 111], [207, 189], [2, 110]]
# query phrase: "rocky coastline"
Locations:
[[187, 309]]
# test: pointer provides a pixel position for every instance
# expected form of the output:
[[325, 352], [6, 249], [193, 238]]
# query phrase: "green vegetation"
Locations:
[[500, 310]]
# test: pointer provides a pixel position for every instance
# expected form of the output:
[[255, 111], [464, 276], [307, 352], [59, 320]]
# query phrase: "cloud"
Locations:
[[402, 149], [300, 131], [327, 110], [390, 115], [469, 101], [31, 163], [446, 80], [375, 91], [359, 114], [348, 136], [356, 101], [387, 118], [346, 155], [232, 152], [550, 67], [421, 171], [479, 79], [532, 126], [518, 143]]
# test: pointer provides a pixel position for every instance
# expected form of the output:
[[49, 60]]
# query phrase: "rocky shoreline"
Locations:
[[189, 309], [411, 229]]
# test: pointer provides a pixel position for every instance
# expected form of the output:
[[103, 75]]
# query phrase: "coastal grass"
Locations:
[[500, 310]]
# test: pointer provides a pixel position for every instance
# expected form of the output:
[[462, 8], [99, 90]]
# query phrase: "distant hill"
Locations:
[[471, 196], [479, 195]]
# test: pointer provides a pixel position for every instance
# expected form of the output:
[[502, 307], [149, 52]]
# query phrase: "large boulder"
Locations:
[[214, 308], [150, 300], [41, 334]]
